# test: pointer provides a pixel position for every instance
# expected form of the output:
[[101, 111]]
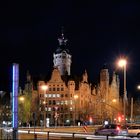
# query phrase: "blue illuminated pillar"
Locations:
[[15, 87]]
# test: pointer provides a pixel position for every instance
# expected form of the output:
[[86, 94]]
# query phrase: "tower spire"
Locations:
[[62, 40]]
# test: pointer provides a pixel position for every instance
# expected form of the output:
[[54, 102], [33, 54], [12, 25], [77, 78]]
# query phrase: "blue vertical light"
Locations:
[[15, 96]]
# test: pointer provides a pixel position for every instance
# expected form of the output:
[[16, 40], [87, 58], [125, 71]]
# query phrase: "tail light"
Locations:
[[118, 128]]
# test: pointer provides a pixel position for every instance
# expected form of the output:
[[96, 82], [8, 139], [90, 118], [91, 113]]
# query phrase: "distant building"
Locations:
[[71, 99]]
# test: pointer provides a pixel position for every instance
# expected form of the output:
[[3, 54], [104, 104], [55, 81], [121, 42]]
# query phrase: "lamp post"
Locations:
[[21, 99], [44, 88], [75, 98], [113, 111], [122, 63]]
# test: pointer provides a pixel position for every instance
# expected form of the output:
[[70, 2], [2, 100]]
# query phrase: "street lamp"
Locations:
[[138, 87], [75, 98], [122, 63], [21, 99], [44, 88], [114, 101]]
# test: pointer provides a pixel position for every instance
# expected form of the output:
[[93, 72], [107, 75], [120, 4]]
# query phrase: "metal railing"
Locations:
[[49, 135]]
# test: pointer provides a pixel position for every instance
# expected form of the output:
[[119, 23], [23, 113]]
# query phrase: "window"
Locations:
[[62, 89], [63, 57], [49, 102], [61, 115], [71, 102], [58, 95], [54, 102], [66, 102], [66, 109]]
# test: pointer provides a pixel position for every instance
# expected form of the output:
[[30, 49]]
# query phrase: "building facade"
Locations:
[[68, 100]]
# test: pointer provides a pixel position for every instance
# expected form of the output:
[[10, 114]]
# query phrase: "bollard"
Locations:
[[107, 137], [35, 136], [73, 136], [48, 136]]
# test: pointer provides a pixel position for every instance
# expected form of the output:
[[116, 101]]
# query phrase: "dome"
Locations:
[[60, 49]]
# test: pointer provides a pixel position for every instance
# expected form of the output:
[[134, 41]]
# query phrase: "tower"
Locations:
[[62, 57], [104, 83]]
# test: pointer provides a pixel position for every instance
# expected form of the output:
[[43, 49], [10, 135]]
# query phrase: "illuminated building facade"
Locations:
[[62, 108]]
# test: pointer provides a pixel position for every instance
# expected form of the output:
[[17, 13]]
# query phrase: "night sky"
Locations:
[[98, 33]]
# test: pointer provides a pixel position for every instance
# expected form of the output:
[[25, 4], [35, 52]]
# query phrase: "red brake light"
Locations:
[[118, 128]]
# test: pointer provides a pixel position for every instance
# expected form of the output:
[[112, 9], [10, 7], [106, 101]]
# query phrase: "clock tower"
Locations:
[[62, 57]]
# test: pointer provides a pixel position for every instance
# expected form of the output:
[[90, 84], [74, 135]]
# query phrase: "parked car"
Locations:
[[134, 130], [111, 129]]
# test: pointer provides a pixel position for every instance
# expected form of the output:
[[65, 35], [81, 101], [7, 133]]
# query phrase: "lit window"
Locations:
[[49, 108], [71, 102], [66, 102], [58, 95], [54, 95]]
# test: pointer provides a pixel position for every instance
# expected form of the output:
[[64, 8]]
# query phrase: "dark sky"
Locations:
[[98, 32]]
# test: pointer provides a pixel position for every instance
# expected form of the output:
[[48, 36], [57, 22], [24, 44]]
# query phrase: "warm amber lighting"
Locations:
[[21, 99], [114, 100], [44, 87], [122, 63], [138, 87], [75, 96], [44, 102]]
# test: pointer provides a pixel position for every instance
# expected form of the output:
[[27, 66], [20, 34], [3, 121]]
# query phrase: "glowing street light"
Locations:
[[122, 63], [138, 87], [114, 101], [21, 99], [44, 88]]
